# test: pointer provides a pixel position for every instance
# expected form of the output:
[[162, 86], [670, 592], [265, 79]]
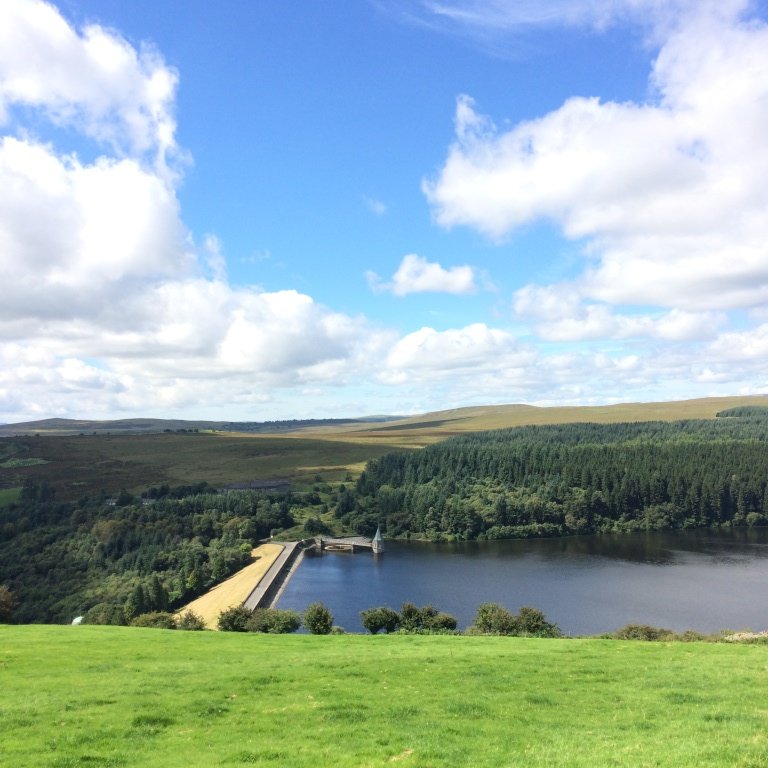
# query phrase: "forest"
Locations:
[[571, 479], [111, 559]]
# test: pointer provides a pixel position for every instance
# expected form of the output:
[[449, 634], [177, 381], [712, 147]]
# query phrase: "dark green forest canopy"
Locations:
[[574, 478], [751, 411], [111, 560]]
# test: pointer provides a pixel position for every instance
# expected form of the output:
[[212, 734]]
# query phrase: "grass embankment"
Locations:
[[235, 589], [130, 697]]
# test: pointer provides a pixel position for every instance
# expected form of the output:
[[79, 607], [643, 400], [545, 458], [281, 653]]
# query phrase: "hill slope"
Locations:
[[131, 697]]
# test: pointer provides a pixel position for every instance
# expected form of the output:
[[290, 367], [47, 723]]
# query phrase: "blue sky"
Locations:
[[264, 210]]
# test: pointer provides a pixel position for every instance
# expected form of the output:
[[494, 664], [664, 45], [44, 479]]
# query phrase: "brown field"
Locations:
[[236, 588], [88, 464]]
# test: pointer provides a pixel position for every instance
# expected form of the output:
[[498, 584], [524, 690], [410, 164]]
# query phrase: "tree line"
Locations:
[[110, 560], [570, 479]]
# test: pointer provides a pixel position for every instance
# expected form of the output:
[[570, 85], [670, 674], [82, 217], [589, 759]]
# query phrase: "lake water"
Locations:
[[704, 580]]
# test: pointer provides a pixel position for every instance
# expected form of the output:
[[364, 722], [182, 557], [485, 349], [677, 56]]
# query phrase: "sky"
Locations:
[[294, 209]]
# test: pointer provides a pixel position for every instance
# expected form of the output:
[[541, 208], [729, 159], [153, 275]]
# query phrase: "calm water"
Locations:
[[702, 580]]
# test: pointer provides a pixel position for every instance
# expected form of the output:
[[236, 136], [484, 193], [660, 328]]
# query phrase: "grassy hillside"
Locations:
[[129, 697], [85, 464], [477, 418]]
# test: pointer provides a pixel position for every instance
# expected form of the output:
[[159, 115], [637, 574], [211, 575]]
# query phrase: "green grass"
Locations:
[[97, 696]]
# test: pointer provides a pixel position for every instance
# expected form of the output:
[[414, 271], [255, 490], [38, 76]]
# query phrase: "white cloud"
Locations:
[[495, 21], [417, 275], [108, 305], [668, 195], [558, 314], [375, 206], [430, 354], [93, 81]]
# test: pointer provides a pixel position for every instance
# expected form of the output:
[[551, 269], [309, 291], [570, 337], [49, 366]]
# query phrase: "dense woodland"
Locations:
[[113, 559], [572, 479]]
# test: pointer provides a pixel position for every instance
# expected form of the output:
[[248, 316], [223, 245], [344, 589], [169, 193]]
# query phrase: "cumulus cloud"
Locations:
[[108, 303], [558, 314], [93, 81], [417, 275], [668, 194]]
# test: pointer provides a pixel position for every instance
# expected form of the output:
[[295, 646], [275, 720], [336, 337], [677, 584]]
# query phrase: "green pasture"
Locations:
[[106, 696]]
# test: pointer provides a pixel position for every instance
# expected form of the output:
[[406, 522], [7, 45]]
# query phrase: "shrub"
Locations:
[[318, 619], [105, 613], [190, 621], [376, 619], [156, 619], [425, 619], [274, 621], [531, 621], [494, 619], [642, 632], [234, 619], [315, 526], [443, 622]]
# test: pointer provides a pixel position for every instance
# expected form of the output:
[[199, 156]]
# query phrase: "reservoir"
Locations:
[[706, 580]]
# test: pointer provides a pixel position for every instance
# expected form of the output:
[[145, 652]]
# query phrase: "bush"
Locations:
[[156, 619], [314, 527], [376, 619], [443, 622], [234, 619], [318, 619], [494, 619], [105, 613], [531, 621], [190, 621], [274, 621], [643, 632], [425, 619]]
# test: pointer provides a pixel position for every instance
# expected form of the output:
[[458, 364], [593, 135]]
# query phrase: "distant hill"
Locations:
[[441, 424], [147, 426], [116, 426]]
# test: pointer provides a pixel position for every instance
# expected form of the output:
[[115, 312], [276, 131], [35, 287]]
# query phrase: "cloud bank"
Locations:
[[110, 306], [665, 197]]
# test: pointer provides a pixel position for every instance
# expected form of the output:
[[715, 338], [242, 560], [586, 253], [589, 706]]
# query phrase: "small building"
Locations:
[[377, 544]]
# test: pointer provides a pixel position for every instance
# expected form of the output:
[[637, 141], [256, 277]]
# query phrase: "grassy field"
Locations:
[[105, 696], [87, 464]]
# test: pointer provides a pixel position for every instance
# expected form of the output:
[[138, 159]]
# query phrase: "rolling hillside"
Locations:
[[82, 463]]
